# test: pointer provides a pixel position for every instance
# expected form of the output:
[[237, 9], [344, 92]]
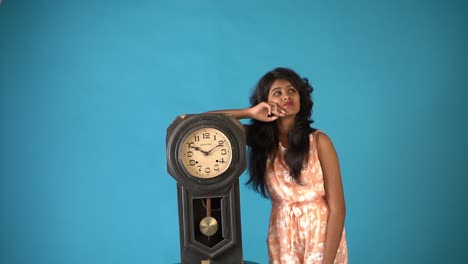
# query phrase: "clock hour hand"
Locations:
[[202, 151]]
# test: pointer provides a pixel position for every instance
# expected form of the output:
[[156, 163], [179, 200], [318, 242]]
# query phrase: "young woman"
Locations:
[[295, 166]]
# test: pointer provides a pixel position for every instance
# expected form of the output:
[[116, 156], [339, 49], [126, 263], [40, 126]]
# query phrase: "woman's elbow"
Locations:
[[338, 210]]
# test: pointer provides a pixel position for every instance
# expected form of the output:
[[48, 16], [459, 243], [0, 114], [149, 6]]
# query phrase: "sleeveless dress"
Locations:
[[299, 213]]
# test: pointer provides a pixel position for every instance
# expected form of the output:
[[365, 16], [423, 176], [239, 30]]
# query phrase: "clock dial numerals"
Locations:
[[206, 153]]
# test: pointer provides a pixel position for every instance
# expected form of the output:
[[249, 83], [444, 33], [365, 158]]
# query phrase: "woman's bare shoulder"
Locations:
[[324, 142]]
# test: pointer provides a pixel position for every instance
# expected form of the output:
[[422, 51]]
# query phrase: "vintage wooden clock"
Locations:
[[206, 154]]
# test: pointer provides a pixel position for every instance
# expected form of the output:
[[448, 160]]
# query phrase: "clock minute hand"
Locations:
[[219, 145]]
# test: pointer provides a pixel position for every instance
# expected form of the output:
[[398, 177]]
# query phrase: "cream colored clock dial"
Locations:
[[206, 153]]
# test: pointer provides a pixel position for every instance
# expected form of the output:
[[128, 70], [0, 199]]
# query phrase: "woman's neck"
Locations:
[[284, 126]]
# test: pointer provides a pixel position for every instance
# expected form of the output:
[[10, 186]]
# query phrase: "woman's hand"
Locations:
[[266, 112]]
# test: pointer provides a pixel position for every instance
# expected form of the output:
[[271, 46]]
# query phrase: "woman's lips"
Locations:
[[287, 104]]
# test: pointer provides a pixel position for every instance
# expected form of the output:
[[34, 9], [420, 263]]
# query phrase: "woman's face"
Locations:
[[285, 95]]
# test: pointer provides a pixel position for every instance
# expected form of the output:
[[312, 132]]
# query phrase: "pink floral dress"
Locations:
[[299, 214]]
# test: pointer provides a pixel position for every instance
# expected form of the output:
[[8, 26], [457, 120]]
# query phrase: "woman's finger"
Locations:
[[277, 110]]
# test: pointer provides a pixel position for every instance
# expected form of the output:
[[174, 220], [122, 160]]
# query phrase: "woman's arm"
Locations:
[[334, 195], [263, 111]]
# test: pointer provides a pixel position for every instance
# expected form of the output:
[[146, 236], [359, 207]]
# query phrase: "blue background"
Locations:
[[88, 88]]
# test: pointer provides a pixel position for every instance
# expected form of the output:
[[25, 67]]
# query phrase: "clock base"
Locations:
[[243, 262]]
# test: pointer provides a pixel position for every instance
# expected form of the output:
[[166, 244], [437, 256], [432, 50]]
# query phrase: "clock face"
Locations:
[[206, 153]]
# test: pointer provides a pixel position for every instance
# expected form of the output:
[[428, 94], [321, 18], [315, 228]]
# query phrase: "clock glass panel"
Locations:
[[206, 153]]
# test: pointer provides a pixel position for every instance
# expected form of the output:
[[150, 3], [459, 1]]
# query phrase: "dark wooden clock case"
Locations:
[[225, 246]]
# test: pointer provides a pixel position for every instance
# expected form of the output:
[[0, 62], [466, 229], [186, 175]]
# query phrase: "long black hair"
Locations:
[[262, 137]]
